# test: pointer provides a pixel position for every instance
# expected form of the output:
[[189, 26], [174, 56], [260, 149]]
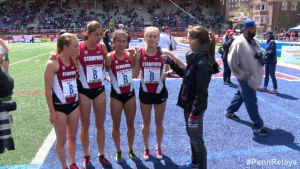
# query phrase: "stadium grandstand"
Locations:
[[33, 17]]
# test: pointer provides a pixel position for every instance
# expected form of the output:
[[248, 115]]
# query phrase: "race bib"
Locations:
[[94, 73], [151, 74], [124, 77], [69, 87]]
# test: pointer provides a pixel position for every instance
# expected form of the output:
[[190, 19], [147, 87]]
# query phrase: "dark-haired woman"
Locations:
[[62, 96], [271, 60], [194, 89], [120, 65], [91, 70]]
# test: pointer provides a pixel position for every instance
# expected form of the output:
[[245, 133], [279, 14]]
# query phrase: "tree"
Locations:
[[242, 7]]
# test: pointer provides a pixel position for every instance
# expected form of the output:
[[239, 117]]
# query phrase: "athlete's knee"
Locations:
[[130, 126], [159, 124], [99, 126], [61, 142], [84, 127], [72, 138]]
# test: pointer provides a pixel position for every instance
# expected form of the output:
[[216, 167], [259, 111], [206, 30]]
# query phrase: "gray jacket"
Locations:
[[242, 62]]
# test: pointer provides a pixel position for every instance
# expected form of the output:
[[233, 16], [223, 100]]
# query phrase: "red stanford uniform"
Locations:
[[152, 71], [121, 74], [91, 67], [64, 85]]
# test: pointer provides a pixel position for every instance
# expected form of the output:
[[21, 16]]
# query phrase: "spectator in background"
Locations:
[[173, 42], [227, 41], [271, 60], [4, 61], [164, 40], [107, 41], [121, 26]]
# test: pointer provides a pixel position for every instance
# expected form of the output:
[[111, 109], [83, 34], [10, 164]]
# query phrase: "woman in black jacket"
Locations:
[[227, 41], [107, 41], [194, 89]]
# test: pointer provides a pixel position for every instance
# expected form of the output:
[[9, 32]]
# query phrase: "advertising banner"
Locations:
[[290, 54]]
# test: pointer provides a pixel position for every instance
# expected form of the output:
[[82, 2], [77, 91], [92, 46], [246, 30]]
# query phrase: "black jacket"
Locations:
[[194, 88], [226, 45]]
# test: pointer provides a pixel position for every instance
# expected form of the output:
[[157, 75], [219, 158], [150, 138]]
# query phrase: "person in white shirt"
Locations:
[[164, 40]]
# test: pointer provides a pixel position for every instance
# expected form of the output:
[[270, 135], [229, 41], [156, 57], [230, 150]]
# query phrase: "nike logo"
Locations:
[[73, 67], [163, 99], [74, 104], [130, 94], [156, 58], [98, 51], [100, 88], [126, 60]]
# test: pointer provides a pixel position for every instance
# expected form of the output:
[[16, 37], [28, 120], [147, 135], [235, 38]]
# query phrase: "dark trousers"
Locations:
[[199, 154], [245, 94], [227, 71], [270, 71]]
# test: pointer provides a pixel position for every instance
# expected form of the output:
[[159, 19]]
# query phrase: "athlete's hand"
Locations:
[[54, 118], [108, 79], [166, 59], [52, 56], [138, 49], [131, 51], [1, 59]]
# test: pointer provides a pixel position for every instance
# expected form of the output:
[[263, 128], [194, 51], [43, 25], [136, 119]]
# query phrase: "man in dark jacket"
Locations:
[[194, 90], [227, 41]]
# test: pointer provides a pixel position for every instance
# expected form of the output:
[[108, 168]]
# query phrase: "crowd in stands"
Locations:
[[17, 17], [55, 17]]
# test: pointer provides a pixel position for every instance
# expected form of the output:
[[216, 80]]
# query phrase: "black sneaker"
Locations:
[[230, 83], [104, 161], [119, 157], [262, 132], [232, 116], [86, 162], [132, 156]]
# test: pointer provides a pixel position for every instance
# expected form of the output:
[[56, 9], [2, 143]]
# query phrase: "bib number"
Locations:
[[151, 74], [94, 73], [124, 77], [69, 87]]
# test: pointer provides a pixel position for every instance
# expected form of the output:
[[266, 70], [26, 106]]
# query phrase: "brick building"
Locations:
[[276, 15]]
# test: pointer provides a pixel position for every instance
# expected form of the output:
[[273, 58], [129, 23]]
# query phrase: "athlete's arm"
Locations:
[[136, 70], [6, 50], [107, 62], [51, 68], [178, 61], [131, 59]]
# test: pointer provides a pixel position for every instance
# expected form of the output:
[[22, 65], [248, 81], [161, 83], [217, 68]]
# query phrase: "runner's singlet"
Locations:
[[91, 67], [120, 73], [152, 71], [64, 85]]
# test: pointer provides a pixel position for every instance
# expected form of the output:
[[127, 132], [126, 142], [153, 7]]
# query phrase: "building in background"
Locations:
[[276, 15]]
